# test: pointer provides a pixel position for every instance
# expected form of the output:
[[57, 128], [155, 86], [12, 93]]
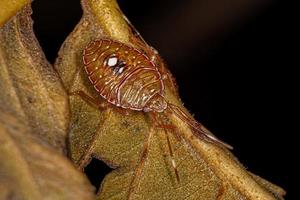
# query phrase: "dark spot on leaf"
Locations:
[[125, 124], [30, 99]]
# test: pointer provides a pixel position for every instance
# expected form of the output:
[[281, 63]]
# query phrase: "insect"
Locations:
[[128, 78]]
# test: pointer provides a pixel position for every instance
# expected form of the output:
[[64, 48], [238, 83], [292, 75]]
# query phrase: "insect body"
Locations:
[[124, 76], [127, 78]]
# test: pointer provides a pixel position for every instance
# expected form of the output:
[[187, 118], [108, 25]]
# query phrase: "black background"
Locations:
[[234, 65]]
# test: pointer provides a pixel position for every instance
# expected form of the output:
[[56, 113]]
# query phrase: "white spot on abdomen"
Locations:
[[112, 61]]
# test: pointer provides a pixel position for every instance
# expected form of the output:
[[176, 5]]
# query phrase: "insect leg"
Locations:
[[203, 133], [172, 156], [88, 99], [138, 172], [169, 146]]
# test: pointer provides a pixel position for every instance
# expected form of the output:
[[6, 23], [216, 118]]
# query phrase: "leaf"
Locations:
[[31, 89], [31, 170], [33, 121], [9, 8], [206, 171]]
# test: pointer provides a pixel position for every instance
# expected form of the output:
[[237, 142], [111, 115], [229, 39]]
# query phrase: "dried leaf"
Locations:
[[9, 8], [33, 121], [206, 171], [31, 90], [31, 170]]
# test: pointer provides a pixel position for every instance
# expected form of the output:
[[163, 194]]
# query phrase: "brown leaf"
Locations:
[[33, 121], [31, 170], [30, 89], [10, 8], [206, 171]]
